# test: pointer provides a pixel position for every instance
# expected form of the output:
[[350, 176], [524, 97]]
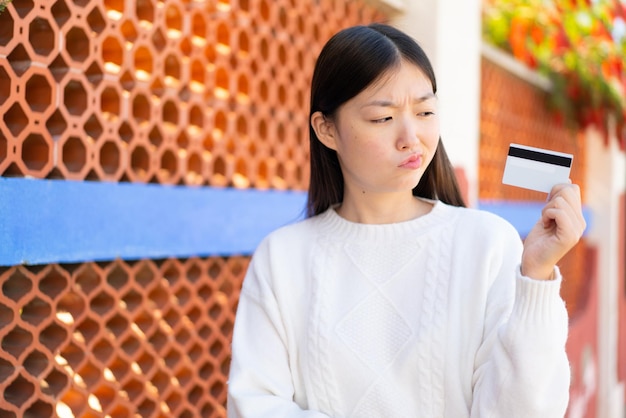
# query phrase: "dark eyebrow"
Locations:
[[387, 103]]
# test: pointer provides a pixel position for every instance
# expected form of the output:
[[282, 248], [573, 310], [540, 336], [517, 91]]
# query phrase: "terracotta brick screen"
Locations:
[[513, 110], [117, 339], [210, 92], [192, 92]]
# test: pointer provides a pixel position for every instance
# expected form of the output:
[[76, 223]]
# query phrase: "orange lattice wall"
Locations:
[[190, 92], [513, 110], [118, 338]]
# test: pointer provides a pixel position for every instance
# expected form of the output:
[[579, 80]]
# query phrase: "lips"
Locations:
[[412, 163]]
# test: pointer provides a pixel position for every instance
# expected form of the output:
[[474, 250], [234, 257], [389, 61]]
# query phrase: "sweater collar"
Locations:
[[333, 224]]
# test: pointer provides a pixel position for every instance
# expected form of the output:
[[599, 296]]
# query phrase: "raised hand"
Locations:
[[560, 227]]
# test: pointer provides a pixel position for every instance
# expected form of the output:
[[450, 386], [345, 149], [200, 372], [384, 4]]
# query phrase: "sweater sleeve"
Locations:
[[260, 380], [521, 367]]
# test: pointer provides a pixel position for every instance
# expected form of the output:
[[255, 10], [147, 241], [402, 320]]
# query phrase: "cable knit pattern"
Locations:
[[427, 318], [440, 320], [323, 383]]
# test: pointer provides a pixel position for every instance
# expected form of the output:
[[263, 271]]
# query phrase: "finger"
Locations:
[[551, 210], [571, 193], [555, 190], [565, 201], [566, 219], [563, 228], [565, 207], [568, 189], [572, 198]]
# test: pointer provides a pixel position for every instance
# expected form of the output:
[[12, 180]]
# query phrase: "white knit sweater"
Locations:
[[424, 318]]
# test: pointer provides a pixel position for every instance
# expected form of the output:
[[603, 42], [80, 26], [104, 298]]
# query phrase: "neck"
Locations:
[[382, 209]]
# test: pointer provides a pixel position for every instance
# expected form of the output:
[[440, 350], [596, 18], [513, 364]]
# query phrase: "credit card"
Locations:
[[535, 168]]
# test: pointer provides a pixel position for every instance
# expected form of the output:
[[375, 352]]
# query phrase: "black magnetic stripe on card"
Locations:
[[540, 156]]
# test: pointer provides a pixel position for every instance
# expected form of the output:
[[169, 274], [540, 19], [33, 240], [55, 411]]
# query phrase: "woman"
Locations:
[[391, 299]]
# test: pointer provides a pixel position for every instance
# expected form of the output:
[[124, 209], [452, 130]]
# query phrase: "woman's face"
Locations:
[[386, 136]]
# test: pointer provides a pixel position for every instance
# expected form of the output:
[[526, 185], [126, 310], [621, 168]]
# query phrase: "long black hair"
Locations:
[[349, 62]]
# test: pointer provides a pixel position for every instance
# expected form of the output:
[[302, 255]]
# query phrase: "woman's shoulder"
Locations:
[[294, 234], [480, 222]]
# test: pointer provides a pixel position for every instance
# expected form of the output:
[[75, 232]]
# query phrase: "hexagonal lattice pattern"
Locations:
[[512, 110], [112, 339], [209, 92]]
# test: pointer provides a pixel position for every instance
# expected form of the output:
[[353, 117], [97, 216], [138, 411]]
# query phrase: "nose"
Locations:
[[408, 137]]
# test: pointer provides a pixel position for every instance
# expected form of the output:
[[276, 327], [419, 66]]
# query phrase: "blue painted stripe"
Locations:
[[57, 221], [522, 215], [50, 221]]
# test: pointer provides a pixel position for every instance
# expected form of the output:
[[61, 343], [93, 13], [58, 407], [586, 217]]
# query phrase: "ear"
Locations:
[[324, 129]]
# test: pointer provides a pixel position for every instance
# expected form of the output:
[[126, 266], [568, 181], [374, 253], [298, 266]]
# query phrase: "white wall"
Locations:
[[605, 182]]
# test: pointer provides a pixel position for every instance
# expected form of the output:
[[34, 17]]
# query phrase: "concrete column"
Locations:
[[450, 33]]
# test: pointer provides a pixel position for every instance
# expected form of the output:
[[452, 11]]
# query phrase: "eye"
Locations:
[[382, 120], [428, 113]]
